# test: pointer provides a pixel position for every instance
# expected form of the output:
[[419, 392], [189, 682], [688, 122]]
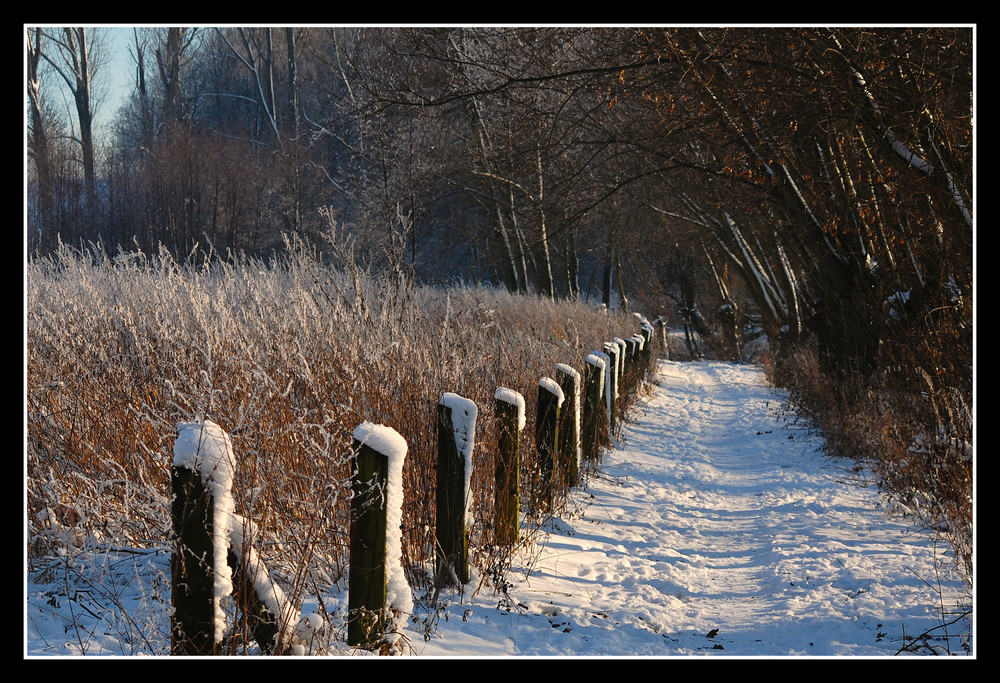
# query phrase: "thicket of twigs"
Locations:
[[288, 356]]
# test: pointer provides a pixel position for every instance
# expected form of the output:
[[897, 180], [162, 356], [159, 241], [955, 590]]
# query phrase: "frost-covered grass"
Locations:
[[288, 356]]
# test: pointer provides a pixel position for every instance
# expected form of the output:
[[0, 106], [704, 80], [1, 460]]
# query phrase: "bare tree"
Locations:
[[75, 55], [38, 144], [172, 54]]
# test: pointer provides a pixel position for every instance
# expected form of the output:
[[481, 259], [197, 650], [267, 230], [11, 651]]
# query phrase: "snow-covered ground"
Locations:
[[716, 528]]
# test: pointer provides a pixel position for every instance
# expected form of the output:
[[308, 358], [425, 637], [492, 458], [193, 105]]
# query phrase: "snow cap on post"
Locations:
[[385, 440], [552, 386], [463, 419], [569, 370], [389, 443], [598, 360], [515, 399]]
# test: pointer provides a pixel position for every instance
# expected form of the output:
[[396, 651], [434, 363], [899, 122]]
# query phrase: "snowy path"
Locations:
[[718, 512], [716, 528]]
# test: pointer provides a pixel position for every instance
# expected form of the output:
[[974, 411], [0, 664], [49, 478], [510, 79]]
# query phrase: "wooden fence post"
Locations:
[[550, 398], [623, 389], [640, 368], [631, 363], [511, 420], [192, 624], [661, 326], [622, 363], [611, 383], [367, 581], [456, 435], [569, 425], [647, 345], [594, 430], [201, 513]]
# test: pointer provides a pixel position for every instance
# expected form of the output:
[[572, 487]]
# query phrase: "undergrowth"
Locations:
[[288, 356]]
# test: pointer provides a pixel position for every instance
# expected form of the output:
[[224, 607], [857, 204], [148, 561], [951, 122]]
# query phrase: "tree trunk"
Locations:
[[606, 273], [546, 284], [623, 300], [572, 265], [38, 144], [293, 92], [168, 59]]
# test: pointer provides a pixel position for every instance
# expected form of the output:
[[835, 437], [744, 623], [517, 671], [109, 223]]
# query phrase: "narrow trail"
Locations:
[[718, 526]]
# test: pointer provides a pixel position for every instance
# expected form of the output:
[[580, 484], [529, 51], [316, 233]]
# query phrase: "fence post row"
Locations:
[[456, 436], [209, 549]]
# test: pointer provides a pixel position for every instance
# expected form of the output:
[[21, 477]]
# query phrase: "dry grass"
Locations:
[[288, 356]]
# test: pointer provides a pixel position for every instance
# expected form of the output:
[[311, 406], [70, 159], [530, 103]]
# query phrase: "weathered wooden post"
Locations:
[[569, 425], [201, 482], [642, 355], [622, 388], [639, 374], [631, 362], [550, 399], [594, 430], [374, 527], [366, 584], [613, 352], [192, 624], [510, 420], [647, 345], [661, 326], [622, 363], [456, 437]]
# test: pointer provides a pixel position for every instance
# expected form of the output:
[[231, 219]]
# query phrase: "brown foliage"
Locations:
[[288, 357]]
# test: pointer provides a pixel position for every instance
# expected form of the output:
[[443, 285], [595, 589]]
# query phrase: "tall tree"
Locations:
[[171, 55], [38, 144], [76, 57]]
